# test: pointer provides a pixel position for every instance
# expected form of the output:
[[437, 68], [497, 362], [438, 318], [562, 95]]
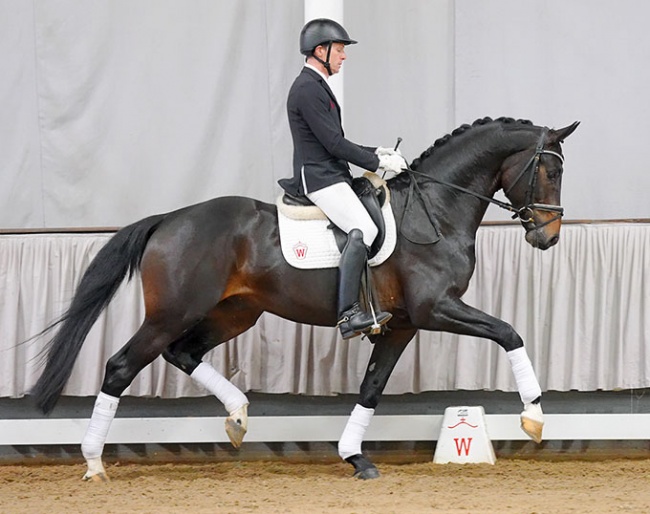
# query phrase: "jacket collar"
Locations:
[[313, 68], [317, 76]]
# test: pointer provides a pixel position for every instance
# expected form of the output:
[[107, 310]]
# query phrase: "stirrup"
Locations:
[[355, 321], [379, 319]]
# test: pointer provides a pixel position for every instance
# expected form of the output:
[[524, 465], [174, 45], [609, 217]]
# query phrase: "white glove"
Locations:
[[381, 150], [394, 162]]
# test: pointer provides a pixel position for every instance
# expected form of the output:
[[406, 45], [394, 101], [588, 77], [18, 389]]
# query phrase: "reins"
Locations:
[[520, 213]]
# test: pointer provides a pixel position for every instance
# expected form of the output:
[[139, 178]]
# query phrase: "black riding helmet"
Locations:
[[319, 32]]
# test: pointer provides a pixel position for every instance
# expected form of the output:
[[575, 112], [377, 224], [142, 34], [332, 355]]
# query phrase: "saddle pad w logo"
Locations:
[[309, 244]]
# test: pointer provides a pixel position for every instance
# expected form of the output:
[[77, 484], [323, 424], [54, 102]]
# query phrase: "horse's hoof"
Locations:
[[98, 477], [235, 431], [367, 474], [363, 468], [532, 421], [237, 425], [532, 428]]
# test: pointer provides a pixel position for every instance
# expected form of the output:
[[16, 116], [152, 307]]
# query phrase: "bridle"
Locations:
[[525, 213]]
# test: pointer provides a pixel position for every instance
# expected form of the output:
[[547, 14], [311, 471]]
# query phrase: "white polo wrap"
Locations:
[[352, 437], [231, 397], [525, 378], [97, 431]]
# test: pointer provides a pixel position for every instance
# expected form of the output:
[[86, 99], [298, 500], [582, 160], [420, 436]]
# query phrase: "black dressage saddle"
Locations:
[[372, 198]]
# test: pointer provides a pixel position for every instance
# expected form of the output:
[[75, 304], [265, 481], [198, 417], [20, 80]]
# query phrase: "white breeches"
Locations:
[[345, 210]]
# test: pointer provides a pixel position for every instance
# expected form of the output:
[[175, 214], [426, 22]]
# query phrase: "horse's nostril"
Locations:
[[554, 240]]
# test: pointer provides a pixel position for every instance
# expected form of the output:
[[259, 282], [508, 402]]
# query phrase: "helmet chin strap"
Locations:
[[326, 62]]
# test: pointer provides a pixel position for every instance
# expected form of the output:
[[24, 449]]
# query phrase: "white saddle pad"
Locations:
[[307, 243]]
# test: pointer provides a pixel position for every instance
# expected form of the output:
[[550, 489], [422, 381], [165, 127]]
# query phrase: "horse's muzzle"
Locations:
[[543, 237]]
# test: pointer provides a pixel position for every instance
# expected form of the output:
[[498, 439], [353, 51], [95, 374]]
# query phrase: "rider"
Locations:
[[320, 164]]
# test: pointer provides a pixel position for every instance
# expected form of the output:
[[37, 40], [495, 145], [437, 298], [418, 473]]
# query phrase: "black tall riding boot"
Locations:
[[352, 319]]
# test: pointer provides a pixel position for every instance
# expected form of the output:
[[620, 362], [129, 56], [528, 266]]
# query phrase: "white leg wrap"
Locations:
[[522, 369], [92, 445], [231, 397], [352, 437]]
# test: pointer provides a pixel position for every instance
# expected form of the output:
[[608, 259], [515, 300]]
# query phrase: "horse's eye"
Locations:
[[554, 173]]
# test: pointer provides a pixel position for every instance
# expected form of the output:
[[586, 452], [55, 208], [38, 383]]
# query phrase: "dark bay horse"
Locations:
[[210, 270]]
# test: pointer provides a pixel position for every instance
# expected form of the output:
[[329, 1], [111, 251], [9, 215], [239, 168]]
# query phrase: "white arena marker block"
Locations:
[[464, 438]]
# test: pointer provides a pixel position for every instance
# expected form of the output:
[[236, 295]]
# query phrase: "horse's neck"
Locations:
[[473, 166], [476, 161]]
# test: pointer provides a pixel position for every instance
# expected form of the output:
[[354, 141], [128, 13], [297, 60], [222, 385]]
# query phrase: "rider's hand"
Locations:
[[381, 150], [393, 162]]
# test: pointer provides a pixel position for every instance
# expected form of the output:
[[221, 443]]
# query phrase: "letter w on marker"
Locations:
[[463, 444]]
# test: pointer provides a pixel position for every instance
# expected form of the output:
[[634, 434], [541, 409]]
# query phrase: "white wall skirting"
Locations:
[[501, 427]]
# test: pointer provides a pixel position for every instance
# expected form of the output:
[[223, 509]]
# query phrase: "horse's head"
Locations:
[[532, 181]]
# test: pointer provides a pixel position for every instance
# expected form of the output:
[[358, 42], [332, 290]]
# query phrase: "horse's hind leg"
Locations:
[[385, 354], [230, 318], [147, 344]]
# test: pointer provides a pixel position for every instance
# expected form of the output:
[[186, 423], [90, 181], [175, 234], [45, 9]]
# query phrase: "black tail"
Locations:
[[121, 255]]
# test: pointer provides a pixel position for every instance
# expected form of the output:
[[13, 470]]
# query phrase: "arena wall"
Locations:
[[119, 110]]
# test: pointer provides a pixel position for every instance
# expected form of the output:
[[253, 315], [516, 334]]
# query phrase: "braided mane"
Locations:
[[461, 130]]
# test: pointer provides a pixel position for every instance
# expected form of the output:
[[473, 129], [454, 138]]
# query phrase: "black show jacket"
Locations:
[[321, 152]]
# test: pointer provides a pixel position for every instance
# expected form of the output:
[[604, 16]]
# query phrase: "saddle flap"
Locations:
[[368, 194]]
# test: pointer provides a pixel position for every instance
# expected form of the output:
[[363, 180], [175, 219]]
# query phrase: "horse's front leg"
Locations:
[[453, 315], [385, 355]]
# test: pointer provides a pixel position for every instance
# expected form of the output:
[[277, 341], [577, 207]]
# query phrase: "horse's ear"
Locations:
[[559, 135]]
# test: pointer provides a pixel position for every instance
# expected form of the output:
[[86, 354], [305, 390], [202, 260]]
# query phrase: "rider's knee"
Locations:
[[368, 234]]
